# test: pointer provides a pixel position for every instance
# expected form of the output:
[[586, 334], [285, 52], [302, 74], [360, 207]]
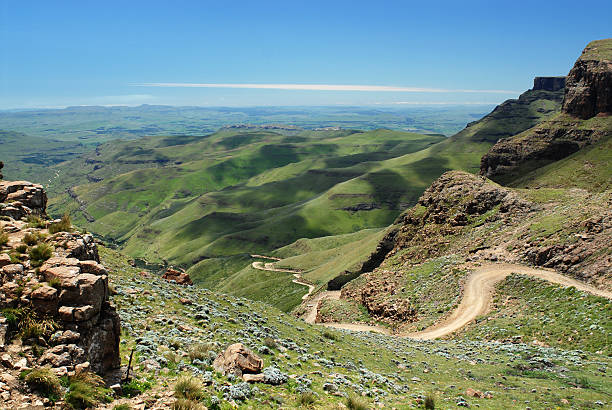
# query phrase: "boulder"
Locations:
[[173, 275], [238, 360], [5, 259]]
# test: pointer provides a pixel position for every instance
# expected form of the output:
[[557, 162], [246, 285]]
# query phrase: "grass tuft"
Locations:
[[356, 403], [40, 253], [64, 225], [44, 381], [188, 388]]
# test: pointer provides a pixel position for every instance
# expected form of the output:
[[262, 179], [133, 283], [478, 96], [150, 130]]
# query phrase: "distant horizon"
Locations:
[[373, 105]]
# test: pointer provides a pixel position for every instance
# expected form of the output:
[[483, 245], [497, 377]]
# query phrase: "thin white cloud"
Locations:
[[324, 87]]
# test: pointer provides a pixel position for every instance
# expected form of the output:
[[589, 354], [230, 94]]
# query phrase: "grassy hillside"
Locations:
[[589, 168], [201, 200], [327, 366]]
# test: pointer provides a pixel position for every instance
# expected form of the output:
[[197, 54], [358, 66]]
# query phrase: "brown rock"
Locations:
[[474, 393], [173, 275], [5, 259], [238, 360], [45, 299], [253, 378], [92, 267]]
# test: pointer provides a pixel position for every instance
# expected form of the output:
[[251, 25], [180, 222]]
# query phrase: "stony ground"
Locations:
[[162, 323]]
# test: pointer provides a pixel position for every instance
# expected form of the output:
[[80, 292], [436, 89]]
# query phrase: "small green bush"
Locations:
[[135, 387], [307, 399], [123, 406], [64, 225], [356, 403], [32, 238], [330, 335], [429, 403], [35, 221], [270, 343], [55, 283], [44, 381], [189, 388], [86, 391], [40, 253], [3, 237], [21, 248]]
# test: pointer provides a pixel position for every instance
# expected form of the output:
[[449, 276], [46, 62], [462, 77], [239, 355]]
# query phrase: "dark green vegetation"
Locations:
[[532, 310]]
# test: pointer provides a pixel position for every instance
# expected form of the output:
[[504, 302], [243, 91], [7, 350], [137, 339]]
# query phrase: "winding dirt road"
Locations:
[[476, 300], [296, 273]]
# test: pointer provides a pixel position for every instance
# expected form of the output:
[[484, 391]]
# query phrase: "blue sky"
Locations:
[[58, 53]]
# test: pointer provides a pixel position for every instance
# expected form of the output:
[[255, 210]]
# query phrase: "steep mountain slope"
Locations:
[[584, 120], [463, 221]]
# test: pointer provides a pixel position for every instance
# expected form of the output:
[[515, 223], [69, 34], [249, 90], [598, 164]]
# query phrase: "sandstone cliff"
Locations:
[[584, 120], [54, 294]]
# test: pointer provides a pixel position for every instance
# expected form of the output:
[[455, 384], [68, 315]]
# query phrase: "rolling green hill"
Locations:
[[203, 201]]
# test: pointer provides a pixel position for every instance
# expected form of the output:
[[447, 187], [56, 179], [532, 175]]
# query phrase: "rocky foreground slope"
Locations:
[[55, 311]]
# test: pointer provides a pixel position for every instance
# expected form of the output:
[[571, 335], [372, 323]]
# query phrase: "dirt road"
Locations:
[[296, 273], [478, 294], [476, 300]]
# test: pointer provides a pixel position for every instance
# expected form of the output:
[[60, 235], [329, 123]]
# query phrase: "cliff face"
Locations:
[[584, 119], [589, 83], [549, 83], [54, 286]]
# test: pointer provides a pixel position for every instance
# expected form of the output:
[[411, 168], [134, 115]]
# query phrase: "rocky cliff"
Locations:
[[54, 293], [549, 83], [462, 220], [584, 120], [589, 83]]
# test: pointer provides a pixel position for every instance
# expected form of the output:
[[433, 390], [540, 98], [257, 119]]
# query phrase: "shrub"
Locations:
[[3, 237], [35, 221], [123, 406], [269, 342], [40, 253], [32, 238], [21, 248], [135, 387], [189, 388], [44, 381], [86, 391], [429, 403], [199, 351], [330, 335], [356, 403], [32, 326], [55, 283], [307, 399], [64, 225]]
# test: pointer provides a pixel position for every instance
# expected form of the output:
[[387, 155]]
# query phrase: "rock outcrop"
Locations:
[[549, 83], [21, 198], [588, 93], [589, 83], [178, 277], [59, 284], [454, 203]]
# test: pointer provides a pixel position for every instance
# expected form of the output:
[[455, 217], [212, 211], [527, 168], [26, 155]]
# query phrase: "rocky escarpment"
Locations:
[[589, 83], [54, 293], [588, 94], [455, 203], [549, 83], [462, 220]]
